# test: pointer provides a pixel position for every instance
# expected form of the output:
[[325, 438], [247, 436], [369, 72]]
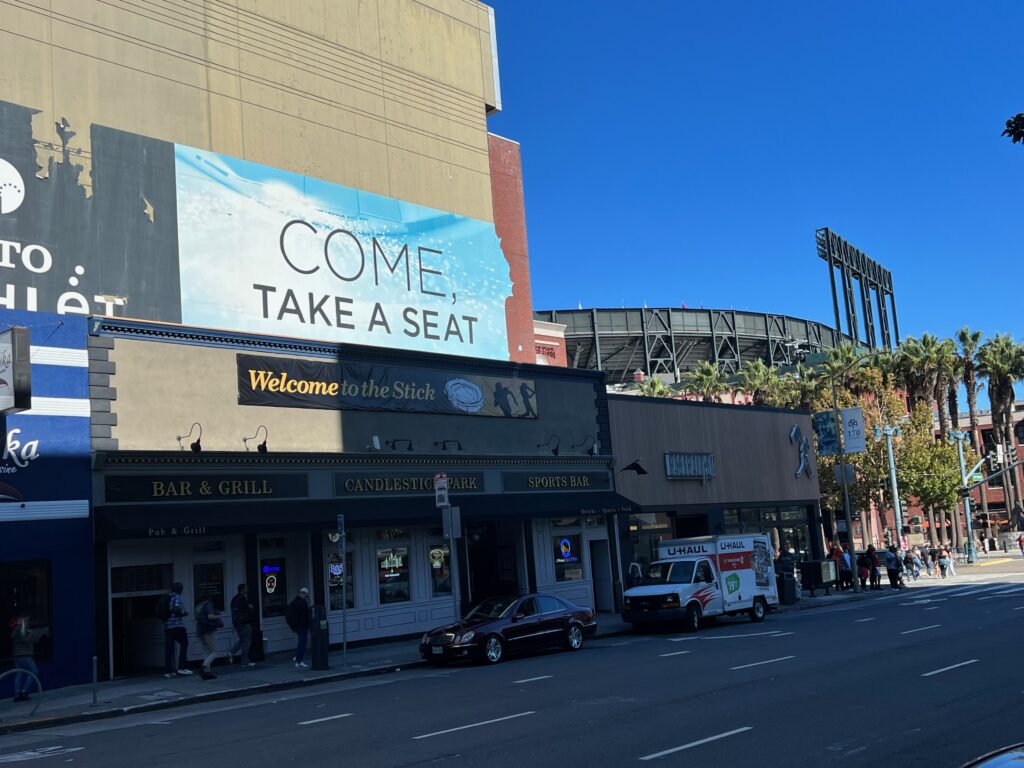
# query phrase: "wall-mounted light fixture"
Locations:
[[443, 444], [547, 444], [393, 444], [633, 466], [197, 446], [262, 447], [374, 444], [595, 445]]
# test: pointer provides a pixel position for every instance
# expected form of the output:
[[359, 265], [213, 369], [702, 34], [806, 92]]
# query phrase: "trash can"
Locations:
[[819, 574], [787, 588], [320, 637]]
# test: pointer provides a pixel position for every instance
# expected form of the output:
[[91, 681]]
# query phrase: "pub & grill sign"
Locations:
[[291, 383]]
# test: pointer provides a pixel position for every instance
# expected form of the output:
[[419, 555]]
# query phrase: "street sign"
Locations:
[[977, 477], [854, 438], [440, 490], [825, 429], [451, 520]]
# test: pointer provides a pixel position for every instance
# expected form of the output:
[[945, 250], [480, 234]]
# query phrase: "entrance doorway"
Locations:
[[601, 570], [492, 549]]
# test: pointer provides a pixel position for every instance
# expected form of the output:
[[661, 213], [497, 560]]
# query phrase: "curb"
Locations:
[[234, 693]]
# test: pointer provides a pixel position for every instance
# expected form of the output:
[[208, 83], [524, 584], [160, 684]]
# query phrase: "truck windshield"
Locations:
[[669, 573]]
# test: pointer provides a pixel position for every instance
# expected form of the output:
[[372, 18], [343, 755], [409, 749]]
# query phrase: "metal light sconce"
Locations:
[[393, 444], [443, 444], [262, 447], [197, 446], [547, 443], [595, 445], [633, 466], [374, 443]]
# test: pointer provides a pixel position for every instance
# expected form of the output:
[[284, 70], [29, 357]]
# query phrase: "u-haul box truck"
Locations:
[[707, 576]]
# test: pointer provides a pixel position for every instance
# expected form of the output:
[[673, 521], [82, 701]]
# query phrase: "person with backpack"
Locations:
[[171, 609], [207, 623], [297, 617], [243, 617]]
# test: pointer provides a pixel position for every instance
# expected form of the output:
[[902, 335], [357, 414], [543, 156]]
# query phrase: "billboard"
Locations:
[[167, 232]]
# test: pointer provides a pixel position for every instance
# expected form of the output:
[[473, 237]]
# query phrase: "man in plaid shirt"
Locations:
[[174, 632]]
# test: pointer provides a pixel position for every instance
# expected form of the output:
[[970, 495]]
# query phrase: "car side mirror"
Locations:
[[518, 616]]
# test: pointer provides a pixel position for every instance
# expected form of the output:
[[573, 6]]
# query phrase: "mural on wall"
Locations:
[[51, 440], [182, 235]]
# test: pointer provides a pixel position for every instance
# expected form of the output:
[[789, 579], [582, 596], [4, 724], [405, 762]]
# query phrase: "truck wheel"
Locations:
[[693, 617], [758, 611]]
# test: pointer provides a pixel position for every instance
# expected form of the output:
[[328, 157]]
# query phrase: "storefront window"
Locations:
[[273, 587], [336, 576], [208, 584], [440, 570], [25, 589], [568, 565], [393, 574], [794, 514]]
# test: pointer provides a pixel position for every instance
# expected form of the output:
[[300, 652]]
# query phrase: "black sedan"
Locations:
[[505, 625]]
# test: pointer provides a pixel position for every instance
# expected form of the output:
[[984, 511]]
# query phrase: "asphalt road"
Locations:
[[925, 677]]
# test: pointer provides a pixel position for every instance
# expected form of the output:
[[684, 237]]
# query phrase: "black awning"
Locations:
[[144, 521]]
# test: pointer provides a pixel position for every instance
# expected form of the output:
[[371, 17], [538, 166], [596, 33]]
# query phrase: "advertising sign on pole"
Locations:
[[825, 429], [854, 438], [440, 490]]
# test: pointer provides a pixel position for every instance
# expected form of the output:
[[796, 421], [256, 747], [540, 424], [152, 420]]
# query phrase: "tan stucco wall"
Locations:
[[383, 95], [163, 388]]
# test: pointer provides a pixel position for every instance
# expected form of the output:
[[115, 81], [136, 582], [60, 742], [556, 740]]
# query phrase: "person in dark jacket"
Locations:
[[243, 617], [174, 633], [297, 617], [23, 642]]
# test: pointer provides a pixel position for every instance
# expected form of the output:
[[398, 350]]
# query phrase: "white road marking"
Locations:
[[783, 634], [36, 754], [656, 755], [933, 608], [759, 663], [979, 591], [473, 725], [1019, 609], [533, 679], [920, 629], [325, 719], [926, 600], [1000, 594], [676, 653], [727, 637], [858, 621], [682, 639], [946, 669], [619, 645]]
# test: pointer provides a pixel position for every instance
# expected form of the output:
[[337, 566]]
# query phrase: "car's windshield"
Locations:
[[669, 573], [491, 608]]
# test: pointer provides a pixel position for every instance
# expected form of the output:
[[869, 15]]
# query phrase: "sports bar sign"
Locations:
[[291, 383]]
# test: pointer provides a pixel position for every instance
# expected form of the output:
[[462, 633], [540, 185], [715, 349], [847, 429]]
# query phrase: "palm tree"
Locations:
[[944, 360], [919, 367], [1015, 128], [707, 382], [806, 384], [655, 387], [757, 380], [1001, 361], [969, 343]]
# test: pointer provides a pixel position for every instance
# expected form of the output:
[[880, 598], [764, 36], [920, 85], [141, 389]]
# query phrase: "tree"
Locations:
[[929, 470], [759, 381], [1001, 361], [969, 343], [919, 367], [655, 387], [707, 382], [1015, 128], [944, 360]]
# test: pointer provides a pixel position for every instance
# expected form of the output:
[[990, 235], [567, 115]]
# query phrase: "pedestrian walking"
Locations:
[[297, 617], [953, 556], [208, 621], [845, 569], [926, 559], [863, 569], [1020, 543], [944, 561], [893, 566], [243, 617], [23, 646], [876, 568], [172, 610]]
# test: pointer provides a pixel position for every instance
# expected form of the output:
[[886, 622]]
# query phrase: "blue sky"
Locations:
[[684, 153]]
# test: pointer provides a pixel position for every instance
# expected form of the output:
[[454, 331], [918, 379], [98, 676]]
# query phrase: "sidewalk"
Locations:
[[145, 694]]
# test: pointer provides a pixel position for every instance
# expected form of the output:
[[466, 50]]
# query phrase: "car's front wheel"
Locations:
[[575, 637], [693, 613], [494, 649]]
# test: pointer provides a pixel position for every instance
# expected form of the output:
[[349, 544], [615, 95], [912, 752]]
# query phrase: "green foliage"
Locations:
[[1015, 128], [655, 387], [927, 468], [707, 382]]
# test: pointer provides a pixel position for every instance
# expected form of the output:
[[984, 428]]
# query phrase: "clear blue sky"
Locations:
[[684, 153]]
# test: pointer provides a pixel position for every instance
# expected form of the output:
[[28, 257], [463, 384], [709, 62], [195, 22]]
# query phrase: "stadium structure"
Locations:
[[669, 342]]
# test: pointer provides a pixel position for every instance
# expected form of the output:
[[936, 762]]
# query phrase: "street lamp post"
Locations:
[[847, 515], [889, 432], [960, 438]]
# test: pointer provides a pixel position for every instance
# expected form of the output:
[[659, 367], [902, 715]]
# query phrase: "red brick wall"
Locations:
[[551, 350], [510, 223]]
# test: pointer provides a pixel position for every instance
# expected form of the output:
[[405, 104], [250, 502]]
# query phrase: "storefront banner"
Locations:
[[554, 481], [290, 383], [266, 250], [403, 484], [148, 488], [828, 435]]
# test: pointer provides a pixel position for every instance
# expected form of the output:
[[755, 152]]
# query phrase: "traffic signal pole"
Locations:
[[972, 555]]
